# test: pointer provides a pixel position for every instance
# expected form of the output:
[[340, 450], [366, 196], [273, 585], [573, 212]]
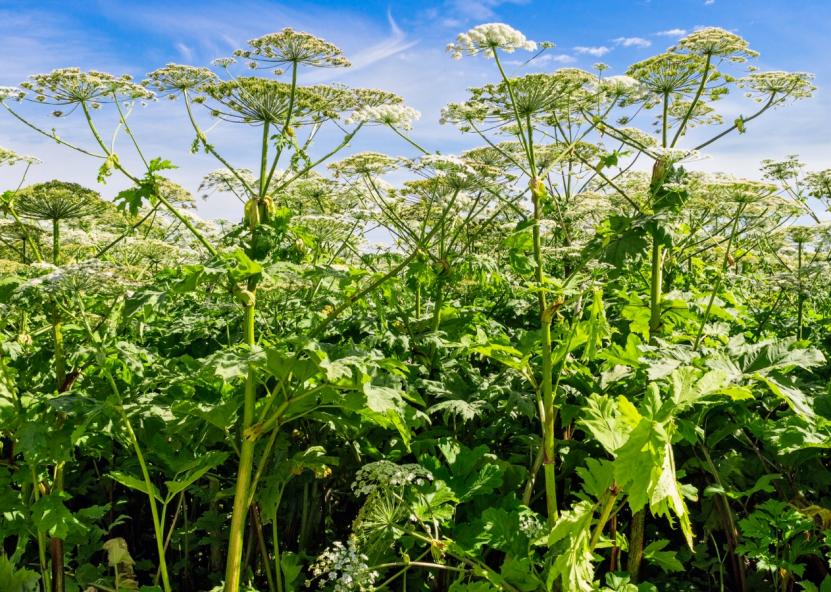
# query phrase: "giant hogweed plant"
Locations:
[[283, 108], [622, 297]]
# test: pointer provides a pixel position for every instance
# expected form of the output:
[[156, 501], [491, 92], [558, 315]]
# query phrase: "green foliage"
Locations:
[[561, 370]]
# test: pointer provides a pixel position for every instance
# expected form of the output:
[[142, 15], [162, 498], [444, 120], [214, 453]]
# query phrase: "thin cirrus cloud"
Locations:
[[395, 43], [478, 9]]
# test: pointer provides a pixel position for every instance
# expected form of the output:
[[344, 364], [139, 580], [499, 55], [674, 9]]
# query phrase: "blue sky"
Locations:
[[398, 46]]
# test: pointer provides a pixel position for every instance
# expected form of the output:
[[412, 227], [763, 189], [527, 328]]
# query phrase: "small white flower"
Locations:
[[676, 155], [399, 116]]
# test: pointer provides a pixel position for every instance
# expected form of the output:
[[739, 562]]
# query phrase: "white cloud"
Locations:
[[597, 52], [559, 58], [632, 42], [709, 2], [671, 33]]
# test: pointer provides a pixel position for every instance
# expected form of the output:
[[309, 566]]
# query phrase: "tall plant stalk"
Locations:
[[548, 409]]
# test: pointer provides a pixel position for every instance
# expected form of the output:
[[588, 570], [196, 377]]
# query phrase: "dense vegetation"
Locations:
[[573, 363]]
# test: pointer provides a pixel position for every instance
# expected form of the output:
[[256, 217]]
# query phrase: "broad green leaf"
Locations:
[[519, 572], [17, 580], [385, 406], [795, 398], [51, 516], [134, 483], [601, 419], [573, 565], [195, 472], [666, 560], [645, 469], [292, 567], [598, 476], [764, 483]]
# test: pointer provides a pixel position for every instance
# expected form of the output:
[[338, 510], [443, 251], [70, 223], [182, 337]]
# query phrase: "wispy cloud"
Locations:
[[632, 42], [478, 9], [671, 33], [393, 44], [185, 51], [709, 2], [597, 52]]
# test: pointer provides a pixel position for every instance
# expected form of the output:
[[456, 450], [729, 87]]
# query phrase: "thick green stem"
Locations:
[[800, 299], [56, 242], [656, 289], [239, 514], [605, 513], [438, 303], [633, 565], [275, 543], [549, 411], [56, 547], [59, 356], [158, 527], [47, 578], [258, 528], [719, 278]]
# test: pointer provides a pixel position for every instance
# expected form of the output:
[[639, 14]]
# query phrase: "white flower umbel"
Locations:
[[11, 92], [365, 163], [399, 116], [620, 86], [778, 86], [716, 42], [11, 158], [174, 79], [342, 568], [385, 474], [488, 38], [676, 155], [290, 47]]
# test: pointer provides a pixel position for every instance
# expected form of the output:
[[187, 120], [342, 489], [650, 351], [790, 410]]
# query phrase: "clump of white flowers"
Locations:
[[11, 158], [489, 37], [90, 275], [71, 86], [819, 184], [769, 86], [238, 182], [674, 155], [463, 114], [444, 163], [11, 92], [292, 47], [716, 42], [344, 568], [365, 163], [384, 474], [400, 116], [531, 526], [620, 86], [173, 79]]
